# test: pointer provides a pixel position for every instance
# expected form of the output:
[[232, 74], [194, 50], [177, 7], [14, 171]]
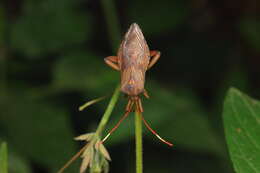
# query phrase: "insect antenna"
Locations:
[[128, 110], [156, 134], [115, 127], [139, 109]]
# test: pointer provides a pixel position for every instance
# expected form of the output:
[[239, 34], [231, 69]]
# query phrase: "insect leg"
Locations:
[[155, 55], [146, 94], [112, 61]]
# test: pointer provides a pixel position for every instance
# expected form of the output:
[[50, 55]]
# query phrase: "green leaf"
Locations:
[[242, 128], [84, 70], [3, 158], [48, 27], [39, 131], [22, 165]]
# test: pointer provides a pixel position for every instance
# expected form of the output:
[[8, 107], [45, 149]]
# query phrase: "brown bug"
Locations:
[[133, 59]]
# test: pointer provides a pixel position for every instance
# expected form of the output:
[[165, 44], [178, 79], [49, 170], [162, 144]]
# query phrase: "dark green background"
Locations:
[[51, 62]]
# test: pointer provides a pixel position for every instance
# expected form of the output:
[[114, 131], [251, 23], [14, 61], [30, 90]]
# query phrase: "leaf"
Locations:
[[44, 134], [89, 151], [180, 118], [85, 163], [3, 158], [48, 27], [241, 116], [88, 157], [75, 71], [104, 151], [22, 165], [91, 102], [85, 137]]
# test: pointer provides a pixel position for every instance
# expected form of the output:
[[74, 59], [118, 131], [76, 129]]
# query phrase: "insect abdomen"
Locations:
[[132, 81]]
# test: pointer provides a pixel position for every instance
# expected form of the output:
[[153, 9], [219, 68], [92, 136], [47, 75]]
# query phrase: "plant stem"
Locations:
[[114, 37], [108, 111], [3, 158], [138, 143]]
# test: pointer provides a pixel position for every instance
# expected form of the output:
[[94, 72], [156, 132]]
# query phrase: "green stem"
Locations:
[[138, 143], [108, 111], [3, 158], [114, 37], [112, 22]]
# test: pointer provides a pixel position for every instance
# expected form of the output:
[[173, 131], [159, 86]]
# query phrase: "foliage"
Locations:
[[242, 123], [51, 62]]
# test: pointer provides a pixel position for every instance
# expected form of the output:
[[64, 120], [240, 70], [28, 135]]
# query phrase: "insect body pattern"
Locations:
[[133, 59]]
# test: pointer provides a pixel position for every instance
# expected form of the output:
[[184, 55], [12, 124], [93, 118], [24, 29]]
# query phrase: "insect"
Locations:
[[133, 59]]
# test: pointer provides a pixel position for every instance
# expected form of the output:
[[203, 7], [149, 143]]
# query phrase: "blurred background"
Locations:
[[51, 62]]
